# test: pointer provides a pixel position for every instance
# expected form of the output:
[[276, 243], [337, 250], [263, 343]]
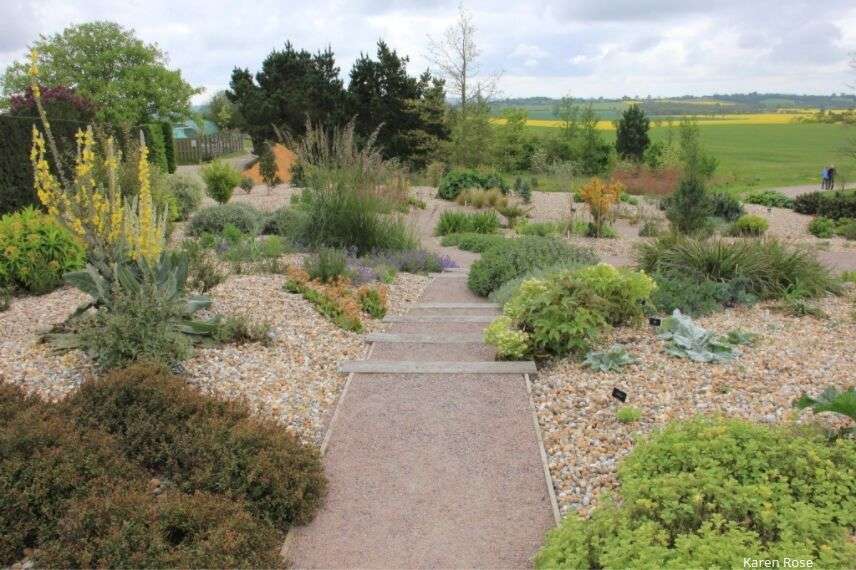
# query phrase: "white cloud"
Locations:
[[659, 47]]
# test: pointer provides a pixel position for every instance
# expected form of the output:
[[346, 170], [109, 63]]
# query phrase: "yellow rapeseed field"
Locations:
[[735, 119]]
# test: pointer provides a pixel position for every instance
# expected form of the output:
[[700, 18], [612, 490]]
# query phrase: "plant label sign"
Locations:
[[654, 321], [619, 395]]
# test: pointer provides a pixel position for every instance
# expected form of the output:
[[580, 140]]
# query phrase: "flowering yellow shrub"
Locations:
[[110, 226], [600, 196]]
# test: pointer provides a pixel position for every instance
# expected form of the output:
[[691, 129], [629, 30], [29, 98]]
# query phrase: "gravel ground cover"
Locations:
[[576, 410], [294, 379]]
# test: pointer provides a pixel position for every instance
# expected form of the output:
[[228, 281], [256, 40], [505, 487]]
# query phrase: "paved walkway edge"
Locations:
[[548, 479]]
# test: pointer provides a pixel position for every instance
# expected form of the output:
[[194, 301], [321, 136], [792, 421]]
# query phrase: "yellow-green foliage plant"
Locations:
[[35, 251], [568, 312]]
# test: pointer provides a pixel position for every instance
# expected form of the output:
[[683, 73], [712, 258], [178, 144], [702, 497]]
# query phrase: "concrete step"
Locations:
[[455, 306], [439, 318], [426, 338], [456, 270], [437, 367]]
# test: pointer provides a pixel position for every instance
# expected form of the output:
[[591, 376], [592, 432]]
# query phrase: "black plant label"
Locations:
[[619, 395], [654, 321]]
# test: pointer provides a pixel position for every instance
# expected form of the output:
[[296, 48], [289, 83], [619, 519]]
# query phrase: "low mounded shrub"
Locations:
[[45, 463], [837, 205], [822, 228], [807, 203], [769, 198], [725, 206], [749, 225], [214, 219], [132, 528], [203, 444], [285, 222], [455, 181], [472, 242], [707, 493], [188, 193], [35, 251], [513, 258], [453, 222], [220, 179], [569, 311]]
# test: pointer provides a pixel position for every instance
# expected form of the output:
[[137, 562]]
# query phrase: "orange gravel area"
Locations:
[[284, 159]]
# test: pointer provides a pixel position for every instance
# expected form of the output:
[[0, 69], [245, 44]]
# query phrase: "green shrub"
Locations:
[[220, 178], [837, 205], [214, 219], [188, 192], [246, 184], [131, 528], [628, 414], [689, 207], [769, 198], [706, 493], [455, 181], [454, 222], [513, 258], [509, 288], [822, 228], [472, 242], [327, 265], [5, 298], [45, 462], [692, 297], [286, 222], [568, 312], [36, 251], [372, 302], [239, 329], [808, 203], [847, 230], [203, 444], [725, 206], [749, 225], [203, 271], [763, 268]]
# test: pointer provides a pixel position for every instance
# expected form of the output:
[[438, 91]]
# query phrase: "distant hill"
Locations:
[[717, 104]]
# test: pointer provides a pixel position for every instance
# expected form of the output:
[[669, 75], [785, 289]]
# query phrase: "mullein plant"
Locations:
[[112, 228]]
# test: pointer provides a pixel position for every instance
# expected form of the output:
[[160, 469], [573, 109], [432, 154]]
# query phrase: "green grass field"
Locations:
[[766, 156]]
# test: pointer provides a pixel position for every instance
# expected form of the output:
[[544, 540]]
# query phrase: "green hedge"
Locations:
[[67, 113], [157, 147], [169, 145]]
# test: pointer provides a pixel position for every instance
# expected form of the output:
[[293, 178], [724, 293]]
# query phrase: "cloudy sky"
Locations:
[[587, 48]]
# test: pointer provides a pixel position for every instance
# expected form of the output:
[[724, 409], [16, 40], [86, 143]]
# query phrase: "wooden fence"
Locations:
[[207, 147]]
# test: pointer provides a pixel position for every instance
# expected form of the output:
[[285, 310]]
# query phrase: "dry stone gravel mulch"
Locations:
[[294, 379], [576, 411]]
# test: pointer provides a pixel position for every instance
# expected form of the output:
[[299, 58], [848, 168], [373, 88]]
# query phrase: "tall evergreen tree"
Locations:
[[409, 110], [291, 86], [632, 134]]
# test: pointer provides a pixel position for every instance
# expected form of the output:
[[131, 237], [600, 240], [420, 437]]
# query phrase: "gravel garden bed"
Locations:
[[577, 413], [293, 380]]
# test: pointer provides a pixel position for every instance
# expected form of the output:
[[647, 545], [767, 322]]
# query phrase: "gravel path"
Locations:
[[430, 471], [794, 191]]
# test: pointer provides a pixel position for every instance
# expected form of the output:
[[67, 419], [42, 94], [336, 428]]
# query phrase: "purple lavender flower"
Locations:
[[447, 262]]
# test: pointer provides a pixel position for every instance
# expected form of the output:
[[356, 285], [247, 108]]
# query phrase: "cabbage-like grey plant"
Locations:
[[832, 400], [685, 339], [608, 360]]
